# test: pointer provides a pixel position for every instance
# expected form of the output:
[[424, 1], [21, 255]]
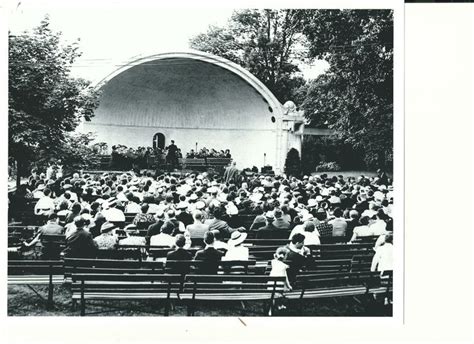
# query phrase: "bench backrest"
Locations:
[[227, 267], [118, 284], [35, 267], [233, 284]]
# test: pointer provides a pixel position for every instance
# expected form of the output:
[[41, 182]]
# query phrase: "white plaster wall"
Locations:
[[188, 101]]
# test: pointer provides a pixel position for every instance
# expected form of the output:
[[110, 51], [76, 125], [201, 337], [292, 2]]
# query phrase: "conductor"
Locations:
[[172, 156]]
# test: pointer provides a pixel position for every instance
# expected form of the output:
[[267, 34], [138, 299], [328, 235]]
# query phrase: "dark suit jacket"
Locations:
[[178, 254], [271, 232], [211, 257], [296, 262]]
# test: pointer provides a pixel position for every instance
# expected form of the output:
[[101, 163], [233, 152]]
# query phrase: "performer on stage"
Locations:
[[172, 156]]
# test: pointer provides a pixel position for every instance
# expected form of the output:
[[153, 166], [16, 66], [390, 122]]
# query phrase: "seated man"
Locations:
[[165, 238], [383, 258], [179, 254], [219, 224], [296, 256], [209, 255], [80, 243], [198, 228], [49, 250]]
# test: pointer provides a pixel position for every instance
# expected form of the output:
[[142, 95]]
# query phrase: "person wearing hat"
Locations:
[[183, 214], [107, 240], [79, 244], [236, 251], [113, 214], [210, 256]]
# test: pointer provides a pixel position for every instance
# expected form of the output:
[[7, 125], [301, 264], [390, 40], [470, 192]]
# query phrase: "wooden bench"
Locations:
[[36, 272], [334, 285], [125, 287], [111, 266], [224, 266], [199, 288]]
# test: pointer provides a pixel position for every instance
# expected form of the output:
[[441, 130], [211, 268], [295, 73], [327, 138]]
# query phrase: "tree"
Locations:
[[265, 42], [45, 104], [293, 163], [355, 96]]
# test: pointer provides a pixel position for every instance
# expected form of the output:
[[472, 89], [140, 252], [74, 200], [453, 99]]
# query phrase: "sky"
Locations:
[[110, 35]]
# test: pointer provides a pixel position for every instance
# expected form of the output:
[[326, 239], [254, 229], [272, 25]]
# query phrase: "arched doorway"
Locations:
[[159, 141]]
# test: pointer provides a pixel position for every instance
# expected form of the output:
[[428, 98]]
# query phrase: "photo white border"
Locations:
[[38, 329]]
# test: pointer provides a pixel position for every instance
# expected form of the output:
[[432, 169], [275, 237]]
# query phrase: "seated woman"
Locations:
[[235, 250]]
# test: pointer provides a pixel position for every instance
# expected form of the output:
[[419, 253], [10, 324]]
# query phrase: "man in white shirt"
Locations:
[[362, 230], [113, 214], [164, 238], [383, 258], [45, 204], [378, 227]]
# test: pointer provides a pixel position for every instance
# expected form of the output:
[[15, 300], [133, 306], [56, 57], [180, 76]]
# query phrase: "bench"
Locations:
[[199, 288], [333, 285], [36, 272], [111, 266], [125, 287], [224, 267]]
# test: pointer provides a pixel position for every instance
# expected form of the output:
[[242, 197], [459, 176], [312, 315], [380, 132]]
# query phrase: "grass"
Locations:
[[22, 301]]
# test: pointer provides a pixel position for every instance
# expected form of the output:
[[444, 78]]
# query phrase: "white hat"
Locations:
[[231, 209], [312, 202], [200, 205], [182, 205], [256, 197], [237, 238], [193, 197]]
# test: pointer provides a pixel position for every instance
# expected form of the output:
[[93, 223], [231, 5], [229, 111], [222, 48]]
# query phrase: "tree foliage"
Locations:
[[355, 96], [45, 104], [265, 42]]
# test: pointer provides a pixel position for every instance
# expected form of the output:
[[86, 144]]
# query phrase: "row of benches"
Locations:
[[129, 280], [259, 249]]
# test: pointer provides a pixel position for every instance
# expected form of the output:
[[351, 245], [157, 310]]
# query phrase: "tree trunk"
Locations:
[[18, 173]]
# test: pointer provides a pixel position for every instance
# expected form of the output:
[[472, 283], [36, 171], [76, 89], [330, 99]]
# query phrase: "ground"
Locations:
[[23, 302]]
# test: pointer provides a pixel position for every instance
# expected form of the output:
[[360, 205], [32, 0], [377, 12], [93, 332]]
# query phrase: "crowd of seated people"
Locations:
[[89, 209], [208, 153]]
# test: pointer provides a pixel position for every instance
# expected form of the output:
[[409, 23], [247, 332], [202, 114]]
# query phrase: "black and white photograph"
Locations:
[[203, 162]]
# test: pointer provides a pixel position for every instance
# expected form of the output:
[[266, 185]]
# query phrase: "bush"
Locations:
[[331, 166]]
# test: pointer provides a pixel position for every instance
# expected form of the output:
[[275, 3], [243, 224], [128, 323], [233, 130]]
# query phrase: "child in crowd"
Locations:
[[279, 269]]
